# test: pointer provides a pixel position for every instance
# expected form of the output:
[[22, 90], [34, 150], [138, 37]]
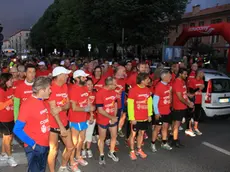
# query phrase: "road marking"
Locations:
[[216, 148], [20, 158]]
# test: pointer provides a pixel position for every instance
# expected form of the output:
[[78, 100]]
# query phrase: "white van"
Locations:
[[216, 95]]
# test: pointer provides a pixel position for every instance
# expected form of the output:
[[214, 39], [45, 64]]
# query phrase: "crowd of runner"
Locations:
[[93, 102]]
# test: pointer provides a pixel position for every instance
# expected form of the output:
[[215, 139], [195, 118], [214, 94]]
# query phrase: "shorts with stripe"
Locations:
[[79, 126]]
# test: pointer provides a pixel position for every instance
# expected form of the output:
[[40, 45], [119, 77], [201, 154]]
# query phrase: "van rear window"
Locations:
[[220, 85]]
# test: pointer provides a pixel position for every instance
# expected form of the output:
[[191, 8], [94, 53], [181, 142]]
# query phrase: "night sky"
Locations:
[[22, 14]]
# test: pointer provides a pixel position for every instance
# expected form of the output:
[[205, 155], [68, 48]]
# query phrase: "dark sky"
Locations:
[[22, 14]]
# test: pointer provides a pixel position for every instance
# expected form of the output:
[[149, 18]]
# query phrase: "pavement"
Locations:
[[207, 153]]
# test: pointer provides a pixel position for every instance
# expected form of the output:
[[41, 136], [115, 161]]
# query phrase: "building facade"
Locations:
[[6, 44], [203, 17], [19, 41]]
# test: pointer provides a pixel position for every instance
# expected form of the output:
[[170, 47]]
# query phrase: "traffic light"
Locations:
[[1, 38]]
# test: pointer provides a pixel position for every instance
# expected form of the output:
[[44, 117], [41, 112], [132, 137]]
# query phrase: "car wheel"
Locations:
[[203, 116]]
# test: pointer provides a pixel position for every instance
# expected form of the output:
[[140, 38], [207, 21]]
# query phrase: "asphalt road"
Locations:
[[207, 153]]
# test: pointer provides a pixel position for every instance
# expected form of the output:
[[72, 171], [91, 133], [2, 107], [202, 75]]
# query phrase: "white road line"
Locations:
[[216, 148], [20, 158]]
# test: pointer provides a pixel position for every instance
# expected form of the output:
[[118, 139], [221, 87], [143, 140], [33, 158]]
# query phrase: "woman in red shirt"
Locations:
[[98, 79], [197, 84], [6, 117]]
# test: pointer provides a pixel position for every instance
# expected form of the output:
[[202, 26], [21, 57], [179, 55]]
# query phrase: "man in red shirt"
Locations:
[[24, 89], [80, 107], [179, 104], [106, 103], [139, 112], [58, 106], [42, 69], [32, 126], [162, 103], [128, 67]]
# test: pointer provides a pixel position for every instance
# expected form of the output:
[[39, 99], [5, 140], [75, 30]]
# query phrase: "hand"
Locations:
[[149, 118], [133, 122], [56, 111], [92, 108], [191, 105], [63, 132], [201, 87], [114, 119], [33, 147], [157, 117]]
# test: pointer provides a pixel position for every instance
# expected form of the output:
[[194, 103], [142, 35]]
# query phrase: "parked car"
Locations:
[[216, 94]]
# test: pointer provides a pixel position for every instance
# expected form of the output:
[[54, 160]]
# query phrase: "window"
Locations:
[[220, 85], [192, 24], [27, 34], [228, 19], [214, 39], [201, 23], [214, 21]]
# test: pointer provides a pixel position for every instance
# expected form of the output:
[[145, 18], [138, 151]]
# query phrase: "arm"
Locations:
[[55, 112], [19, 132], [115, 111], [155, 104], [66, 106], [103, 112], [3, 105], [150, 106], [131, 109], [16, 108], [180, 97], [77, 108]]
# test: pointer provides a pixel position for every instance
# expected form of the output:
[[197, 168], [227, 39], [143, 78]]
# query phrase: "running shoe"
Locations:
[[190, 133], [113, 156], [166, 146], [146, 136], [133, 155], [177, 144], [3, 157], [63, 169], [81, 161], [74, 168], [120, 133], [102, 160], [107, 142], [89, 153], [141, 153], [153, 148], [197, 132], [181, 128], [83, 153], [12, 162]]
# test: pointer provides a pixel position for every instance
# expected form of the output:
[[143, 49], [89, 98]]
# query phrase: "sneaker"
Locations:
[[102, 160], [3, 157], [146, 136], [12, 162], [107, 142], [113, 156], [120, 133], [132, 155], [197, 132], [141, 153], [181, 128], [83, 153], [153, 148], [159, 137], [170, 128], [177, 144], [81, 161], [94, 139], [166, 146], [74, 168], [89, 153], [190, 133], [63, 169]]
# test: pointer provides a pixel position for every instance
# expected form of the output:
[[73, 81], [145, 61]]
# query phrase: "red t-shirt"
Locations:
[[16, 83], [92, 98], [194, 83], [98, 83], [155, 82], [80, 96], [119, 89], [35, 114], [106, 99], [42, 73], [7, 114], [129, 73], [191, 75], [132, 80], [179, 86], [163, 91], [140, 97], [60, 96], [23, 91]]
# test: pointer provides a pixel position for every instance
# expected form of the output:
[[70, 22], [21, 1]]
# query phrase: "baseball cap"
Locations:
[[62, 63], [41, 63], [60, 70], [78, 73]]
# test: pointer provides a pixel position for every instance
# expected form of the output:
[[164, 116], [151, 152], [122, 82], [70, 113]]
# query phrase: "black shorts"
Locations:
[[6, 128], [178, 115], [163, 119], [140, 126], [57, 130]]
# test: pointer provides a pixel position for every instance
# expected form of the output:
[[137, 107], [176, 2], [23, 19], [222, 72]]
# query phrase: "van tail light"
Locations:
[[208, 97]]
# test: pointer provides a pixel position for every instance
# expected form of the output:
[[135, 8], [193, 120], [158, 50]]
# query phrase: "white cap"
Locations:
[[60, 70], [73, 63], [78, 73], [41, 63], [62, 63]]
